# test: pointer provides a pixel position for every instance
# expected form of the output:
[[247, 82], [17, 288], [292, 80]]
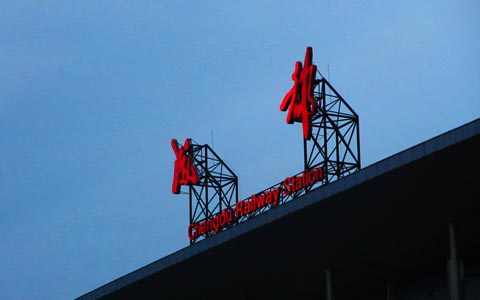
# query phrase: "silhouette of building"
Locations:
[[406, 227]]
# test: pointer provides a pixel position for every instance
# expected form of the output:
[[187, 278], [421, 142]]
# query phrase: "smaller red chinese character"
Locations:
[[299, 100], [184, 172]]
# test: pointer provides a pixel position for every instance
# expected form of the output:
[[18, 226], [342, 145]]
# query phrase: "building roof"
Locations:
[[385, 223]]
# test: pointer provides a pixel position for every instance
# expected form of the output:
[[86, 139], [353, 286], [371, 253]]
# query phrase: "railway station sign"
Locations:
[[331, 151]]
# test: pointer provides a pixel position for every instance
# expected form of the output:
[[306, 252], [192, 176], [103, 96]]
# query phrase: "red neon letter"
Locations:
[[192, 231], [299, 100], [184, 172]]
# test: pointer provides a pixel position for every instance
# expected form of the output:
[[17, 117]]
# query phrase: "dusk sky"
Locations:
[[92, 92]]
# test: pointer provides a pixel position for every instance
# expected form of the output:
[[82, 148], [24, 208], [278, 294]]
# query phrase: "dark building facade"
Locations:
[[406, 227]]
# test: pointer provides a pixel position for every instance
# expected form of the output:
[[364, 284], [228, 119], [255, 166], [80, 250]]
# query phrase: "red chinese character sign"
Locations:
[[299, 100], [184, 170]]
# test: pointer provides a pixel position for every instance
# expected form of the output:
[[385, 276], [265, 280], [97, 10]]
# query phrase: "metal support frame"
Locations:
[[335, 142], [217, 189], [334, 147]]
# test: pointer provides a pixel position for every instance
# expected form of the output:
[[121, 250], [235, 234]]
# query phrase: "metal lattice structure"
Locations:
[[334, 145], [331, 151], [335, 142], [217, 189]]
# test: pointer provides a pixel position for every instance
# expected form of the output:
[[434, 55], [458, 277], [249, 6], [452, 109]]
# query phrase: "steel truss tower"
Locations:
[[217, 189], [335, 142]]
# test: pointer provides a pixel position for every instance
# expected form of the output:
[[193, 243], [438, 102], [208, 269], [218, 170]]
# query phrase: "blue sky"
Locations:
[[93, 91]]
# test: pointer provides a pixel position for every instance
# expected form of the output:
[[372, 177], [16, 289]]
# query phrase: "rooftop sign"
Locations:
[[331, 151]]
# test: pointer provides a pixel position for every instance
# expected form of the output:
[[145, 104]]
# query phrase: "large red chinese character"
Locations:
[[184, 171], [299, 100]]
